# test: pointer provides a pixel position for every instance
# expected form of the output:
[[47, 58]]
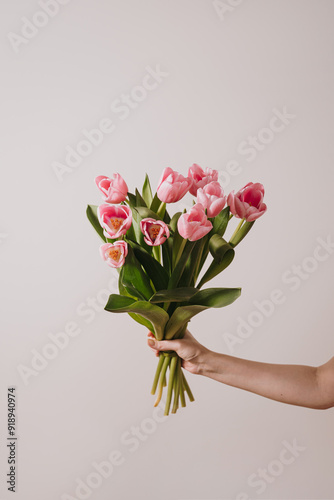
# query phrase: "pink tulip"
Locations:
[[155, 232], [172, 186], [248, 202], [212, 198], [200, 177], [194, 224], [114, 190], [114, 253], [115, 220]]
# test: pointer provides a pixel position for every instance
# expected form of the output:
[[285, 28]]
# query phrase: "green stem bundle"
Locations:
[[177, 383]]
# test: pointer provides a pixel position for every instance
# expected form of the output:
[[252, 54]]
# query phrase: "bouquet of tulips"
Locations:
[[160, 256]]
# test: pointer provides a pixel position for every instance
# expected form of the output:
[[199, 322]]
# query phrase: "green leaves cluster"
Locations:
[[160, 290]]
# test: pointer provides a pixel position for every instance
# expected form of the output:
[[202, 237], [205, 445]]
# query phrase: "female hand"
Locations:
[[192, 353]]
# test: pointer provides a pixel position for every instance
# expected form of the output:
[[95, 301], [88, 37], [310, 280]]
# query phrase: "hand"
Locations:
[[192, 353]]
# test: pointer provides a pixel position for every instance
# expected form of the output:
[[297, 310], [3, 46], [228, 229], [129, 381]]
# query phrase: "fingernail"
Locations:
[[151, 342]]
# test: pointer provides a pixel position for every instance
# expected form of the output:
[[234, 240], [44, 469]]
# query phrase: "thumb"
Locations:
[[164, 345]]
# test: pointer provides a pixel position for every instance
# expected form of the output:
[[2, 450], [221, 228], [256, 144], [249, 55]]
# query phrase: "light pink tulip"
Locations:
[[247, 203], [115, 220], [155, 232], [194, 224], [200, 177], [172, 186], [114, 253], [114, 190], [212, 198]]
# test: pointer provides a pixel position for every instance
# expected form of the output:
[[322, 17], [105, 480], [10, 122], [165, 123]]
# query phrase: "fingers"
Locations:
[[151, 336], [163, 345]]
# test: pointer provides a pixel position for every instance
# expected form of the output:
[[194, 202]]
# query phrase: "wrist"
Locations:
[[207, 363]]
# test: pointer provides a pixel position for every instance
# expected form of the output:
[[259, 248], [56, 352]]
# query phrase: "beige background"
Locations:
[[226, 75]]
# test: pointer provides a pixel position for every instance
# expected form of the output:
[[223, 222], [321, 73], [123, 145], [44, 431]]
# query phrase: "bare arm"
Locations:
[[312, 387], [299, 385]]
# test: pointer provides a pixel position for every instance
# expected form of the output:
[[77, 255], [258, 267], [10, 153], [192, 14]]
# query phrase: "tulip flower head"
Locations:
[[247, 203], [115, 220], [114, 253], [212, 198], [155, 231], [114, 190], [200, 177], [172, 186], [194, 224]]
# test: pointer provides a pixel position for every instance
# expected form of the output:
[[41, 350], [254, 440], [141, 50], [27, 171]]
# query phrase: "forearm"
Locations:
[[293, 384]]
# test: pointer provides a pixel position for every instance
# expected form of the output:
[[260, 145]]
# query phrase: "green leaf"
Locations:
[[176, 295], [217, 266], [140, 202], [218, 246], [215, 297], [179, 268], [202, 300], [174, 220], [243, 231], [177, 242], [153, 268], [142, 321], [93, 219], [166, 256], [147, 191], [155, 203], [165, 215], [134, 278], [132, 200], [193, 268], [135, 233], [154, 314], [145, 212], [131, 234], [220, 222]]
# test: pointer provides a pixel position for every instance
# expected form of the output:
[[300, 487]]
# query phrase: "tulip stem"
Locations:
[[162, 378], [198, 261], [182, 398], [180, 251], [237, 230], [187, 388], [173, 365], [156, 253], [161, 210], [157, 374], [177, 379]]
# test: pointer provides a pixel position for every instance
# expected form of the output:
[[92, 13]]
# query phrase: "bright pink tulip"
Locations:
[[248, 202], [114, 190], [212, 198], [172, 186], [155, 232], [200, 177], [114, 253], [115, 220], [194, 224]]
